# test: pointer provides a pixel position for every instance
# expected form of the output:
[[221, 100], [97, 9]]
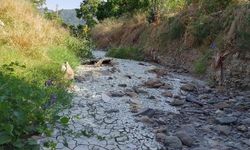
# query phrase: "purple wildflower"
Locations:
[[49, 82], [213, 45], [53, 98]]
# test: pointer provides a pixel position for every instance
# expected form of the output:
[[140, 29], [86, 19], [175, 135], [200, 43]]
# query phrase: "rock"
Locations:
[[222, 105], [167, 94], [246, 121], [139, 90], [122, 85], [242, 128], [146, 112], [204, 96], [161, 130], [116, 93], [226, 120], [134, 108], [104, 61], [161, 137], [112, 111], [132, 94], [173, 142], [185, 138], [167, 86], [226, 130], [106, 98], [145, 119], [189, 129], [151, 97], [133, 101], [177, 102], [247, 142], [154, 83], [188, 87]]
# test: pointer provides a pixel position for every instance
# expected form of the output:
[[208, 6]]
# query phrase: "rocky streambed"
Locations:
[[130, 105]]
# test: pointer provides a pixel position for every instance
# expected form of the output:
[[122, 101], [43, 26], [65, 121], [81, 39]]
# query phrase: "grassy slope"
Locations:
[[32, 50], [184, 37]]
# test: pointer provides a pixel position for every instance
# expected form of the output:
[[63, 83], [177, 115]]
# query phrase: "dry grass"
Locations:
[[26, 30]]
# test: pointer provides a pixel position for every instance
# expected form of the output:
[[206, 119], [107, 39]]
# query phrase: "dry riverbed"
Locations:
[[130, 105]]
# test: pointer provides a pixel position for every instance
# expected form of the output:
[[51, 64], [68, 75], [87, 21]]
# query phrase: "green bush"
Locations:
[[125, 53], [176, 29], [200, 66], [243, 34], [27, 107], [205, 27], [82, 48], [210, 6]]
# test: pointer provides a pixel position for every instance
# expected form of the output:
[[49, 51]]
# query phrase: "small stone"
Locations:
[[161, 130], [222, 105], [173, 142], [167, 94], [188, 128], [188, 87], [226, 130], [246, 121], [227, 120], [154, 83], [167, 86], [112, 111], [177, 102], [132, 94], [145, 119], [116, 93], [247, 142], [242, 128], [122, 85], [161, 137], [151, 97], [204, 96], [185, 138]]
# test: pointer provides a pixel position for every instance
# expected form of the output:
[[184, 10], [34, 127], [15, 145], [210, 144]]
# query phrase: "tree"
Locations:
[[88, 10], [38, 3]]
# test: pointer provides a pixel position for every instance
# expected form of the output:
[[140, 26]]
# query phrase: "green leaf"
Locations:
[[4, 138], [64, 120], [9, 128], [18, 143]]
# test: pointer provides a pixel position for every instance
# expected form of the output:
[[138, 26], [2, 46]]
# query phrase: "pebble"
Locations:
[[188, 87], [173, 142], [177, 102], [185, 138], [225, 130], [227, 120]]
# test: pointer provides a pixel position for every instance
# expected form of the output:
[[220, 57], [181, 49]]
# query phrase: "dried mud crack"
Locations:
[[129, 105]]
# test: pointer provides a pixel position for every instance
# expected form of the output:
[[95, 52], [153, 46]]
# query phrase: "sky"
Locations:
[[63, 4]]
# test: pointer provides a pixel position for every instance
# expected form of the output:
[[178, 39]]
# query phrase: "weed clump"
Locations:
[[125, 53]]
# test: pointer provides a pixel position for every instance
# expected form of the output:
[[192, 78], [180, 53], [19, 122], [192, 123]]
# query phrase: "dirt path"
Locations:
[[133, 105]]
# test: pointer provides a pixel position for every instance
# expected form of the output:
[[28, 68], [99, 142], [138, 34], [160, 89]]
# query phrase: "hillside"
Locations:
[[187, 39], [32, 88], [69, 17]]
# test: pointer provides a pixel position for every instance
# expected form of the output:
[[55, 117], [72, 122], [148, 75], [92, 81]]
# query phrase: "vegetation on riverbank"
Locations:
[[182, 31], [32, 89]]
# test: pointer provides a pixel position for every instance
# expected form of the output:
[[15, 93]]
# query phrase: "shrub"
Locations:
[[125, 53], [205, 28], [82, 48], [243, 34], [176, 29], [27, 107], [201, 64]]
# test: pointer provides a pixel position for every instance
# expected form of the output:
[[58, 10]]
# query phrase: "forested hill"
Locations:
[[69, 17]]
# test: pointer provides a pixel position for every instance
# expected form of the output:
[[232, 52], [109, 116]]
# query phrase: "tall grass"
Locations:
[[32, 89]]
